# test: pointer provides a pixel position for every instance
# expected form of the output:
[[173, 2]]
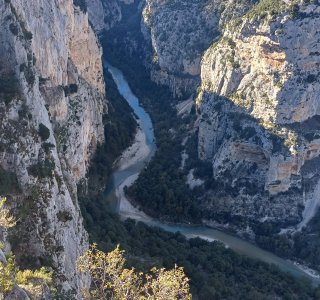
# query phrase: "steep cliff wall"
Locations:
[[179, 32], [259, 106], [104, 14], [52, 102]]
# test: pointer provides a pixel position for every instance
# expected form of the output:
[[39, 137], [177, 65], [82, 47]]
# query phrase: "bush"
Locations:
[[47, 147], [7, 275], [64, 216], [9, 87], [112, 280], [43, 169], [44, 132], [8, 182], [70, 89], [14, 29]]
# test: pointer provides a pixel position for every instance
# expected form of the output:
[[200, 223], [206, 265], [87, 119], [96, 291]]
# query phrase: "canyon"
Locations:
[[251, 71], [253, 82], [244, 77]]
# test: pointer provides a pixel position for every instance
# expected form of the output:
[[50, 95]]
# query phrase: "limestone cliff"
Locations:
[[179, 32], [52, 99], [105, 14], [259, 106]]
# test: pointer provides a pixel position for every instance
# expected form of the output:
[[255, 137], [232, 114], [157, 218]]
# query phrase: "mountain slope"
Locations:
[[52, 103]]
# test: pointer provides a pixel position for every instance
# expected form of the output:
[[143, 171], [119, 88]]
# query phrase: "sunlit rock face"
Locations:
[[50, 124], [259, 125]]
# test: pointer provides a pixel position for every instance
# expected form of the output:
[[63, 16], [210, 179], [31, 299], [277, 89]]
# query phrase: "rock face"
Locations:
[[179, 32], [52, 99], [172, 35], [259, 106], [104, 14]]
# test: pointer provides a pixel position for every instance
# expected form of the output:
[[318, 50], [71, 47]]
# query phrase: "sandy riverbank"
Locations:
[[137, 152], [126, 209]]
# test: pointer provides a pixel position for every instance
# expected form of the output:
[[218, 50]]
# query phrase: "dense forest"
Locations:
[[215, 271], [161, 188]]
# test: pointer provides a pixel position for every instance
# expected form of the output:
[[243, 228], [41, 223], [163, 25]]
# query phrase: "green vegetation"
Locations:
[[112, 280], [272, 8], [64, 216], [301, 246], [27, 70], [161, 187], [9, 87], [70, 89], [33, 281], [42, 169], [48, 147], [265, 7], [7, 275], [44, 132], [8, 182], [14, 29], [214, 271]]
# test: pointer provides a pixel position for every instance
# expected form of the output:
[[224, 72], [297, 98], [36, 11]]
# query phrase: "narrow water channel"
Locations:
[[120, 176]]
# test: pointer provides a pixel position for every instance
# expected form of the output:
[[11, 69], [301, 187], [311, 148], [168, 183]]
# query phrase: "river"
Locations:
[[125, 176]]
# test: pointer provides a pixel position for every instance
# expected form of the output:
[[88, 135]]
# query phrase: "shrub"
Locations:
[[248, 132], [47, 147], [64, 216], [42, 169], [8, 182], [9, 87], [7, 275], [44, 132], [113, 281], [34, 282], [70, 89], [14, 29]]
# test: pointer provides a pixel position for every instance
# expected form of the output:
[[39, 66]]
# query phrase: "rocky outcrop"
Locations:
[[169, 37], [259, 113], [105, 14], [52, 102], [179, 32]]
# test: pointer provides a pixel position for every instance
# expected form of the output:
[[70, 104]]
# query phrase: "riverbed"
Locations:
[[135, 158]]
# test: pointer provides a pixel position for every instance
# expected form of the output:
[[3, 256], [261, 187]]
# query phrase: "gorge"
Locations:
[[208, 134], [128, 172]]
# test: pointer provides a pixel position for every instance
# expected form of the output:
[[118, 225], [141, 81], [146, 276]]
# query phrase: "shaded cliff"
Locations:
[[104, 14]]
